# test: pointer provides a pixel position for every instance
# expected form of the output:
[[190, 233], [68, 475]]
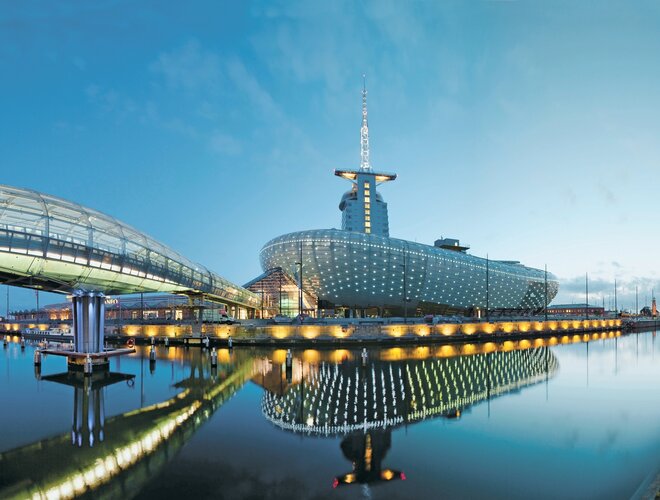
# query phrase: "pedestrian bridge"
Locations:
[[52, 244]]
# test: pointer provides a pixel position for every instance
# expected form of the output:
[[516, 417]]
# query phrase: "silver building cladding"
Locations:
[[365, 270], [360, 266]]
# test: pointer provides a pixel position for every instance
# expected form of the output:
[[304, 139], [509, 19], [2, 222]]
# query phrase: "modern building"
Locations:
[[280, 294], [576, 310], [152, 308], [361, 270], [362, 207]]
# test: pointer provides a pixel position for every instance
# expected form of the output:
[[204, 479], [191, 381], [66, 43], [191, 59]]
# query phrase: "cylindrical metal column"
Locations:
[[88, 322]]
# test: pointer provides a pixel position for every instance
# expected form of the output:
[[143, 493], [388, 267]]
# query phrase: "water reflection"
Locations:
[[124, 451], [324, 393], [364, 402], [343, 397], [366, 451], [88, 402]]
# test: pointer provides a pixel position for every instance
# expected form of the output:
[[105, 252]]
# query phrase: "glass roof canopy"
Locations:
[[57, 245]]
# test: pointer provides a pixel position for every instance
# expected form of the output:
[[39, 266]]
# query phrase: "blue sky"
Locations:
[[526, 129]]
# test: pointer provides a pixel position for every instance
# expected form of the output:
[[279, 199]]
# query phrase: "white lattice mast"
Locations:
[[365, 166]]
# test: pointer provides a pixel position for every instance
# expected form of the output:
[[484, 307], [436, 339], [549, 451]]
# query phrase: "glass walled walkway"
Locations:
[[56, 245]]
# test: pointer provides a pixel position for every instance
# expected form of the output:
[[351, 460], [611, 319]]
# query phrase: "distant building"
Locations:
[[359, 270], [576, 310], [651, 312], [154, 308], [280, 294]]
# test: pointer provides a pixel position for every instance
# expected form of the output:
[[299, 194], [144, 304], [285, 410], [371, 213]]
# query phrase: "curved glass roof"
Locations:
[[55, 244]]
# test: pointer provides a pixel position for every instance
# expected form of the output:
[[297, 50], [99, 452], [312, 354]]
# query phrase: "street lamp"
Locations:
[[300, 277], [545, 302], [487, 289], [586, 291], [280, 275], [262, 301], [405, 294]]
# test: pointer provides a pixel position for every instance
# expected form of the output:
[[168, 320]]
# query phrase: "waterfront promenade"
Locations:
[[334, 332]]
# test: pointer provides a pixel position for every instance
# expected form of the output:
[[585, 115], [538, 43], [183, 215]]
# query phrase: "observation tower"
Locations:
[[363, 209]]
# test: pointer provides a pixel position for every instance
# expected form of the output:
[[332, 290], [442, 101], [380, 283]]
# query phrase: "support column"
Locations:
[[88, 322], [88, 328], [196, 304]]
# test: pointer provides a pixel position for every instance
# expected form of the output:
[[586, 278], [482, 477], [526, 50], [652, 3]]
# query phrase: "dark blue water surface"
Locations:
[[575, 417]]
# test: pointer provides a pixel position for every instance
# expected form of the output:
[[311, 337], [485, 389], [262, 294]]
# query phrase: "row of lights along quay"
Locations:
[[257, 333]]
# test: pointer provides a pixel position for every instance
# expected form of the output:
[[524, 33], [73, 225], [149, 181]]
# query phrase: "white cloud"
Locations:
[[189, 68], [111, 101], [222, 143]]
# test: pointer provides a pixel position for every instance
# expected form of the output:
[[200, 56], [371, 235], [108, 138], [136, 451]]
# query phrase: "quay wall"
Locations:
[[369, 332], [392, 333]]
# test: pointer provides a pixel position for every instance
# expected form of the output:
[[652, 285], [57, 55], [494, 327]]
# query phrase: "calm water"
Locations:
[[513, 420]]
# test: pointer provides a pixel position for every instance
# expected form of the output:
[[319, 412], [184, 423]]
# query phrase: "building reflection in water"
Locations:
[[366, 451], [365, 402], [339, 398]]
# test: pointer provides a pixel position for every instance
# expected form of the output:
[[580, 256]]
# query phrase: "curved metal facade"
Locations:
[[365, 270], [58, 245]]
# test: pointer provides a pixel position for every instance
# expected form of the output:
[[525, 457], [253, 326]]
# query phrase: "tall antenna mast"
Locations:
[[364, 131]]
